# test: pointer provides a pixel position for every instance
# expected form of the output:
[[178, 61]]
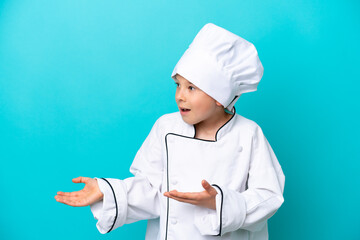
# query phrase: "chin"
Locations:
[[188, 122]]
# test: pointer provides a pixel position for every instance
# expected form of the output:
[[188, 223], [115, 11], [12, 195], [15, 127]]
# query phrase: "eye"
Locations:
[[176, 84], [191, 88]]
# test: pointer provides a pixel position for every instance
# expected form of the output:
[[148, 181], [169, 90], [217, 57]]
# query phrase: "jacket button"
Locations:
[[174, 221], [174, 181], [240, 148]]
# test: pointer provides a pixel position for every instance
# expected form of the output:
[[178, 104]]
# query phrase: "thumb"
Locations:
[[208, 187], [80, 180]]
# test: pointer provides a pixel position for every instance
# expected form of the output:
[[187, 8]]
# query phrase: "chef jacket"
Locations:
[[240, 164]]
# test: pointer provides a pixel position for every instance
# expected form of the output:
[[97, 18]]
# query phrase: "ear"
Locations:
[[218, 104]]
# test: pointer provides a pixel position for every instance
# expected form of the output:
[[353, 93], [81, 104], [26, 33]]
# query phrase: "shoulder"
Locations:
[[169, 119], [169, 122], [246, 124]]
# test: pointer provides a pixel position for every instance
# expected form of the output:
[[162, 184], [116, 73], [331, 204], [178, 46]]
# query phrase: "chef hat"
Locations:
[[221, 64]]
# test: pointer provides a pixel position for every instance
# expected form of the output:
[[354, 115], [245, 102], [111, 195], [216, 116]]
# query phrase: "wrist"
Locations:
[[99, 194]]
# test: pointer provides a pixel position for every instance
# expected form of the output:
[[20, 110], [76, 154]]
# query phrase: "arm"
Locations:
[[135, 198], [249, 209]]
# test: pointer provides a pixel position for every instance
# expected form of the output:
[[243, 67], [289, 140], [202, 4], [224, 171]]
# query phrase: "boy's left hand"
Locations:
[[205, 198]]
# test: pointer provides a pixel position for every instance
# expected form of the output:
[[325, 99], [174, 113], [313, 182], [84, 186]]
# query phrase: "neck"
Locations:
[[207, 129]]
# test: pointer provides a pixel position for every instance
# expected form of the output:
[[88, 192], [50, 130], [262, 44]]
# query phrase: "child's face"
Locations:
[[201, 106]]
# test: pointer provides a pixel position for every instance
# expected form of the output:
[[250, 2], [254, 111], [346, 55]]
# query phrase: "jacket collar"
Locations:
[[222, 131]]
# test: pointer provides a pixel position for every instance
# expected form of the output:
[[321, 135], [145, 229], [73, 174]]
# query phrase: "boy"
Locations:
[[205, 142]]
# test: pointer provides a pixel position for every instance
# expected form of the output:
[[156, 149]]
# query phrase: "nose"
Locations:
[[179, 95]]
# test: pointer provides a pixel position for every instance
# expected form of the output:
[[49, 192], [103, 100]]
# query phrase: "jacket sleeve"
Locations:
[[251, 208], [134, 198]]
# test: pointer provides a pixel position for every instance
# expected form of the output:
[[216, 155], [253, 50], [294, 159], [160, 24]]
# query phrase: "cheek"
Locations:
[[205, 106]]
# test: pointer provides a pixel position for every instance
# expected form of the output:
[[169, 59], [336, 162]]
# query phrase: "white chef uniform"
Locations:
[[240, 164]]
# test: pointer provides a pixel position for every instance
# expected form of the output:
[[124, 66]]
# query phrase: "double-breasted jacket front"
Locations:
[[239, 163]]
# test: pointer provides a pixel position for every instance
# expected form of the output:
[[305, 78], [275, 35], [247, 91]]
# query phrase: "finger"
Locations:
[[70, 194], [185, 195], [65, 200], [185, 200], [71, 201], [210, 189], [172, 193]]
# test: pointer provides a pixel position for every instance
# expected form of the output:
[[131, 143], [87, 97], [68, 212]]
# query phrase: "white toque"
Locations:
[[221, 64]]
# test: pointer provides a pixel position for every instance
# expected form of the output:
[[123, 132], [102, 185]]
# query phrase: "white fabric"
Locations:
[[221, 64], [105, 210], [240, 162]]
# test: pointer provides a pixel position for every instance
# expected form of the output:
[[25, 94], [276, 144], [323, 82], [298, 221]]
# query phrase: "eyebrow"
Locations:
[[190, 83]]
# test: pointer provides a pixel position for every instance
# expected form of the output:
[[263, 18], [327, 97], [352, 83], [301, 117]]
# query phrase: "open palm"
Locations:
[[88, 195], [205, 198]]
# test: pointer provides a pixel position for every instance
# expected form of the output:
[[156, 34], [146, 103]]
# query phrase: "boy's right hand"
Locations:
[[88, 195]]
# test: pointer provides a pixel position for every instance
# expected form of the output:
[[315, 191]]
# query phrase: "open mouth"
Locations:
[[184, 109]]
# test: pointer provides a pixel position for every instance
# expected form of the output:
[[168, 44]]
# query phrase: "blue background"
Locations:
[[82, 82]]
